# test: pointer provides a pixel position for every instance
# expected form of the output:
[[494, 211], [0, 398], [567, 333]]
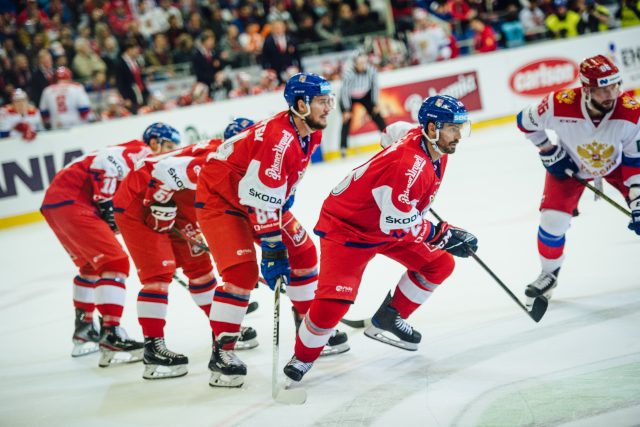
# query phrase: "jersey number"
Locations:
[[61, 104], [355, 175]]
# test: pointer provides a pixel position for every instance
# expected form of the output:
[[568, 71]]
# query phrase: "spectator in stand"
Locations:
[[461, 14], [231, 50], [218, 24], [157, 56], [402, 11], [20, 74], [252, 42], [328, 33], [594, 16], [86, 61], [20, 119], [129, 81], [345, 22], [110, 54], [205, 60], [243, 87], [532, 20], [169, 10], [64, 104], [244, 17], [152, 20], [119, 19], [429, 41], [484, 38], [175, 31], [32, 17], [194, 25], [279, 12], [280, 51], [563, 23], [42, 76], [115, 108], [367, 20], [306, 30], [100, 89], [629, 13], [184, 51], [300, 8], [359, 86]]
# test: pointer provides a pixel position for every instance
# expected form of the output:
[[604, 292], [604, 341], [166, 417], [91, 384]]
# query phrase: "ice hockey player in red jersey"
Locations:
[[242, 197], [380, 208], [598, 130], [154, 209], [78, 207]]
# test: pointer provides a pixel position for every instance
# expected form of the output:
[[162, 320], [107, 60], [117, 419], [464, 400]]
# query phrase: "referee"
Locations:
[[359, 85]]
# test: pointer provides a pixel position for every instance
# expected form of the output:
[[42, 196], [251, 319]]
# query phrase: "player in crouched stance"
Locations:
[[79, 209], [156, 217], [379, 209], [598, 131]]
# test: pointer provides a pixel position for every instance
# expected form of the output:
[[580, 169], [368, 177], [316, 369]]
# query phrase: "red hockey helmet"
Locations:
[[599, 71], [63, 73]]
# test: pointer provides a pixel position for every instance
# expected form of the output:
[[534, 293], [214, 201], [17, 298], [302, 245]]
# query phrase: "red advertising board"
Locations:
[[403, 102]]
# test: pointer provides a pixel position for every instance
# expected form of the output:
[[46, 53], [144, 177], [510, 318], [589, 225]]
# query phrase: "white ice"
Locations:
[[482, 361]]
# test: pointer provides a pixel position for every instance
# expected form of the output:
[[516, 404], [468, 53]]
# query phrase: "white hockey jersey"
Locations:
[[597, 150], [10, 120], [65, 105]]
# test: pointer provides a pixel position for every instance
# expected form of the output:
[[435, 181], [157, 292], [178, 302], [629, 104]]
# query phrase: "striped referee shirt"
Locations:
[[356, 85]]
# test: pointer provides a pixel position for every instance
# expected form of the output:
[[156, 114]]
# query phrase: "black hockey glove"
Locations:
[[454, 240], [556, 161], [106, 213]]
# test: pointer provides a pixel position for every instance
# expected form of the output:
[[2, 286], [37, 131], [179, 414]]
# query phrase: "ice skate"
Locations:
[[338, 343], [248, 338], [160, 362], [85, 336], [227, 370], [116, 347], [541, 287], [388, 327], [296, 369]]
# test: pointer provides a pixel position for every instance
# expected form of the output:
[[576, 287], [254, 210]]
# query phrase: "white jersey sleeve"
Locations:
[[533, 120], [108, 168], [173, 173], [394, 132]]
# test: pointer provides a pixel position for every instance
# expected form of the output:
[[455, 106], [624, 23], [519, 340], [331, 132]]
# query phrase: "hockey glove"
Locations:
[[454, 240], [556, 161], [275, 262], [106, 213], [634, 224], [162, 216]]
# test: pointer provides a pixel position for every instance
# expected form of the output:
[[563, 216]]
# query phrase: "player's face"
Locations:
[[450, 136], [604, 98], [321, 106]]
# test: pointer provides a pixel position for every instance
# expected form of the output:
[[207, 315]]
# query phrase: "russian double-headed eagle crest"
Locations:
[[566, 96], [596, 154]]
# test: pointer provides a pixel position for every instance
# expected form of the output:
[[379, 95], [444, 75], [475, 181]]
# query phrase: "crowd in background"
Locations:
[[115, 49]]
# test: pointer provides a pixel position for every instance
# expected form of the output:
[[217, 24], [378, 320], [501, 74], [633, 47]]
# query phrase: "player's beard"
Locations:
[[600, 107], [450, 148], [313, 124]]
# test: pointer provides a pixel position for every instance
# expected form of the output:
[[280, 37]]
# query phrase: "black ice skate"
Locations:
[[338, 343], [160, 362], [85, 336], [248, 338], [295, 369], [542, 286], [388, 322], [227, 370], [116, 347]]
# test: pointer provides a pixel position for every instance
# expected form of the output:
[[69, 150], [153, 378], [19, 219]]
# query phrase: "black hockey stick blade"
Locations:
[[539, 308], [357, 324]]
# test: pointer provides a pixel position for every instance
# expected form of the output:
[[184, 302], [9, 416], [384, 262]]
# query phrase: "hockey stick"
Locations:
[[280, 392], [539, 304], [598, 192]]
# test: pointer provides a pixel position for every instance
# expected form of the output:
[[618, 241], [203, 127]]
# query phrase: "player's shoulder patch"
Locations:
[[566, 103], [627, 108]]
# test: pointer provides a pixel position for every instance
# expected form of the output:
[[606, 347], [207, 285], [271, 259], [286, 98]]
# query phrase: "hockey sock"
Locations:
[[551, 240], [317, 327], [84, 296], [411, 292], [302, 290], [152, 312], [202, 294], [110, 297], [227, 313]]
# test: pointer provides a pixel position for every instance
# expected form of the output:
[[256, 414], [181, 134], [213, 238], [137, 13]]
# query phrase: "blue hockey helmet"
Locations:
[[305, 86], [162, 132], [237, 126], [441, 109]]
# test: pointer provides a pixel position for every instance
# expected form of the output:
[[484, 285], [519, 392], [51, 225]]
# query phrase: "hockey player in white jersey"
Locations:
[[598, 138], [20, 119], [64, 104]]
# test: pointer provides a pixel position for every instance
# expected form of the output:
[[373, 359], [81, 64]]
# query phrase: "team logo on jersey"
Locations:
[[275, 169], [566, 96], [596, 154], [630, 102]]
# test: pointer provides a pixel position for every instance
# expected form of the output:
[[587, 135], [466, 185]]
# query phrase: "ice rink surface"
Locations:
[[482, 361]]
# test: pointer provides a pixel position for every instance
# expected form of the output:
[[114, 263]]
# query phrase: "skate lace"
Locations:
[[161, 348], [228, 357], [403, 326], [544, 280], [301, 366]]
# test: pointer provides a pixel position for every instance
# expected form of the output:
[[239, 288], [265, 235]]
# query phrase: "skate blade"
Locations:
[[246, 345], [158, 372], [82, 348], [335, 349], [290, 396], [379, 335], [111, 357], [220, 380]]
